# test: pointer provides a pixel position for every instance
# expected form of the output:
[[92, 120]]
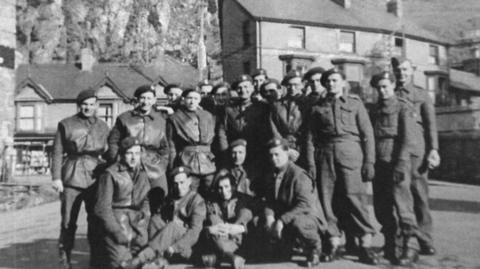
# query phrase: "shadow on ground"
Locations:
[[42, 254]]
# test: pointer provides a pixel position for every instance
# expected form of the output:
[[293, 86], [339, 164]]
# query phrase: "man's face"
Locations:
[[225, 189], [245, 89], [221, 95], [131, 157], [335, 83], [174, 95], [278, 156], [272, 92], [181, 184], [88, 107], [386, 89], [315, 84], [146, 100], [258, 81], [404, 72], [206, 90], [192, 101], [294, 86], [238, 155]]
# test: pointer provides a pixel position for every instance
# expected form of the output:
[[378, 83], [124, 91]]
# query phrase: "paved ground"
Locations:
[[28, 237]]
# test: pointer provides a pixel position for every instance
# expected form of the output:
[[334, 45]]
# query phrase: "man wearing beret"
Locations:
[[341, 153], [79, 142], [190, 136], [148, 125], [249, 121], [175, 228], [425, 152], [205, 88], [122, 206], [313, 77], [271, 90], [293, 211], [259, 77], [174, 94]]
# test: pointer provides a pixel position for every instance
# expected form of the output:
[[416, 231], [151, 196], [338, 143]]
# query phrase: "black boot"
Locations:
[[427, 249], [313, 258], [65, 258], [329, 254], [408, 257], [367, 256]]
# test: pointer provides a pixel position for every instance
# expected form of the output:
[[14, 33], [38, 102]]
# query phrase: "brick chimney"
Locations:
[[395, 7], [344, 3], [87, 60]]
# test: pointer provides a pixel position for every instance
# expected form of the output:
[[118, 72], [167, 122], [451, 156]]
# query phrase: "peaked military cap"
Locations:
[[275, 142], [313, 71], [238, 142], [180, 170], [128, 142], [143, 89], [259, 72], [84, 95], [328, 73]]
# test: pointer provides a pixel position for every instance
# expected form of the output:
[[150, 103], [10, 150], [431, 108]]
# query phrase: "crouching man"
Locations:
[[292, 212], [176, 227], [227, 217], [122, 206]]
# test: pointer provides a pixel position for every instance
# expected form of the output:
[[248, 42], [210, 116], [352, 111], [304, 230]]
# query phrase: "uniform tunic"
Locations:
[[150, 130], [286, 118], [393, 122], [123, 208], [426, 139], [339, 141]]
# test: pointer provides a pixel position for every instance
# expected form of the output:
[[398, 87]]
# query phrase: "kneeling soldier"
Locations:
[[175, 229], [292, 212], [122, 206], [393, 123], [227, 217]]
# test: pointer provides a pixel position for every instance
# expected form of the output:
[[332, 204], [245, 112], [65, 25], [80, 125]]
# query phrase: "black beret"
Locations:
[[143, 89], [179, 170], [128, 142], [275, 142], [291, 74], [329, 72], [313, 71], [238, 142], [259, 71], [83, 95], [383, 75], [270, 81], [167, 88]]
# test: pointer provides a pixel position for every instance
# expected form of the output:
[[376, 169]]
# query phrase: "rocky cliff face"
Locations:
[[131, 31]]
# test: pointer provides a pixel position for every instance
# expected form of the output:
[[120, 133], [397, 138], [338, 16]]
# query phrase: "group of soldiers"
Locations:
[[259, 170]]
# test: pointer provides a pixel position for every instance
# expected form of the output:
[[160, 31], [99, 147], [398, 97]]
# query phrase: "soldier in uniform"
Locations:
[[313, 77], [149, 127], [122, 206], [292, 210], [174, 94], [221, 94], [205, 89], [78, 144], [238, 154], [393, 125], [259, 77], [191, 133], [247, 120], [271, 90], [228, 215], [341, 153], [425, 153], [176, 227]]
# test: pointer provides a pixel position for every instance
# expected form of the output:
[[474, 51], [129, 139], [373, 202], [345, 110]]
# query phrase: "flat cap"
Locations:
[[382, 75], [259, 71], [328, 73], [83, 95], [291, 74], [313, 71], [238, 142], [143, 89], [128, 142], [275, 142], [180, 170]]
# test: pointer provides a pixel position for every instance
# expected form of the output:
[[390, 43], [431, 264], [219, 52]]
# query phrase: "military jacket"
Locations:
[[426, 137], [236, 210], [121, 191], [78, 143], [286, 118], [393, 124], [339, 119], [190, 137], [242, 180]]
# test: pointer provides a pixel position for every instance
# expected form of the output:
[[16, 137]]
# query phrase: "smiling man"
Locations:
[[78, 144]]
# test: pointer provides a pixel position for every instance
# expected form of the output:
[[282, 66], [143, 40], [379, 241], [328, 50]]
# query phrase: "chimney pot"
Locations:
[[87, 60], [395, 7], [344, 3]]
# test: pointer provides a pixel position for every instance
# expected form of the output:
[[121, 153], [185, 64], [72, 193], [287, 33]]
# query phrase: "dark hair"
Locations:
[[270, 81], [220, 85], [223, 174], [167, 88], [380, 76], [186, 92]]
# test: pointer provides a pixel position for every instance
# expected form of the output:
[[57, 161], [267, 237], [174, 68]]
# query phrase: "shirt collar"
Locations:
[[138, 113]]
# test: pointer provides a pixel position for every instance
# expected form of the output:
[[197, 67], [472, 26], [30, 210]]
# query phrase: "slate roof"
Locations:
[[65, 81], [362, 15]]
